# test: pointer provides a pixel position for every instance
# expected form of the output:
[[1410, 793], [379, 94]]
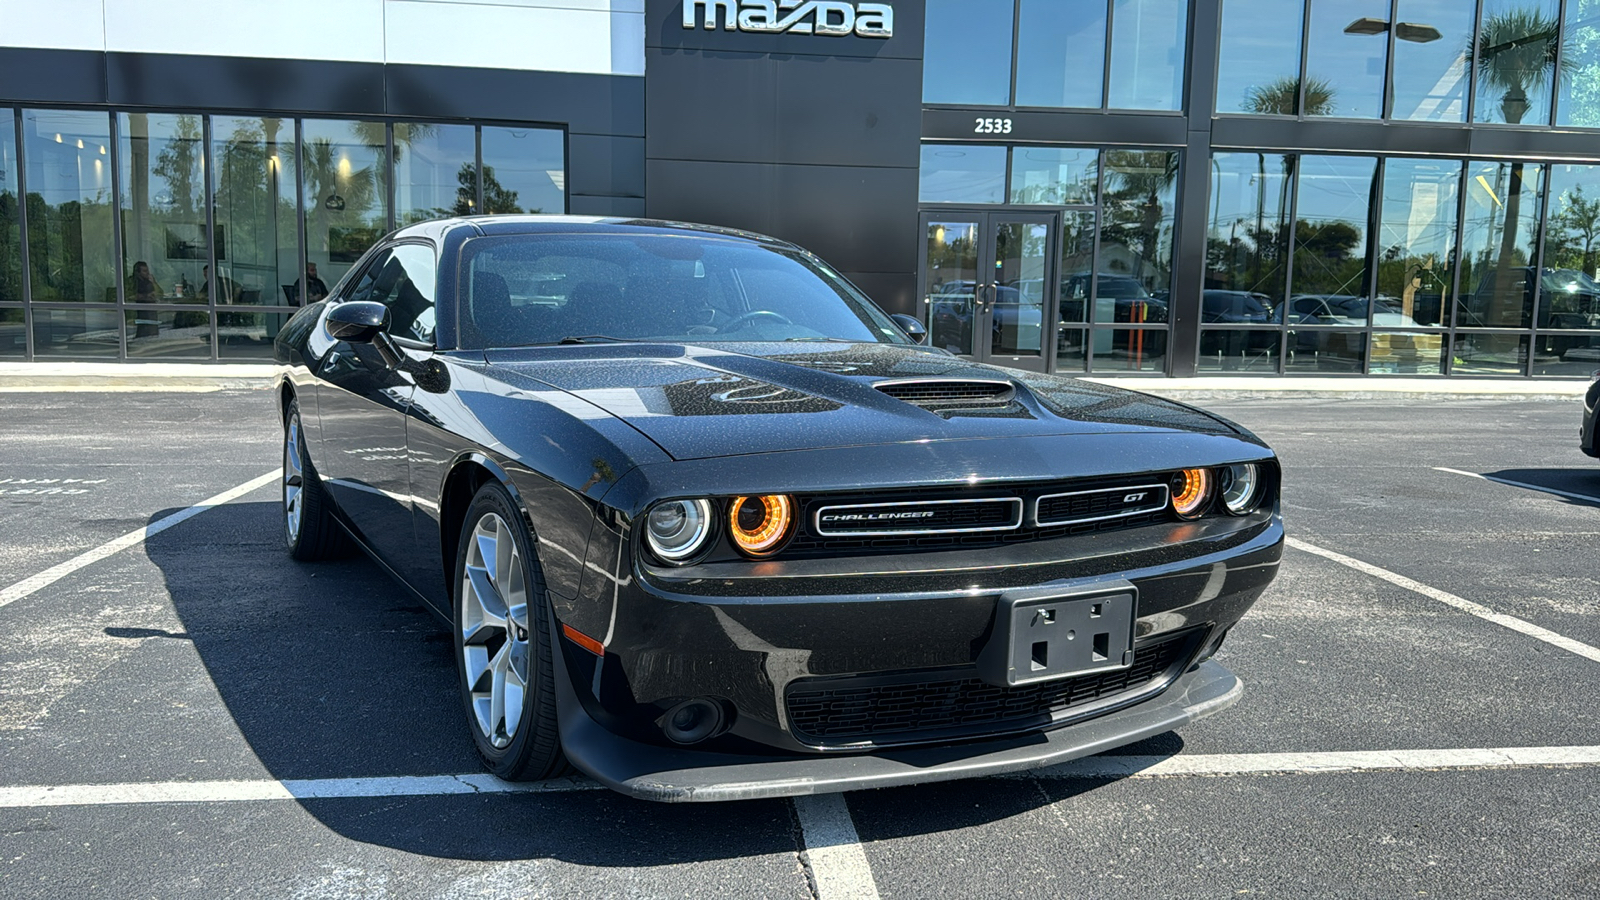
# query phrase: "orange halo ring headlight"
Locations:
[[760, 525], [1191, 492]]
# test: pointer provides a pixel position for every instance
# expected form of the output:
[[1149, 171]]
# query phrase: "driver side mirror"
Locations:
[[912, 326], [358, 322]]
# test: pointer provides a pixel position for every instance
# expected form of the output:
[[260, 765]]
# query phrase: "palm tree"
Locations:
[[1516, 52], [1281, 97]]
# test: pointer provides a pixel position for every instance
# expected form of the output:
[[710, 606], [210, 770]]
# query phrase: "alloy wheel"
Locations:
[[494, 629], [293, 480]]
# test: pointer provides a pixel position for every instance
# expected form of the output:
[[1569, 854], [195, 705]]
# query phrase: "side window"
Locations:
[[402, 279], [406, 286], [361, 287]]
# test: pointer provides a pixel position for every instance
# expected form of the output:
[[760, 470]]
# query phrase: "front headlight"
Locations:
[[1240, 487], [678, 529], [1191, 491], [760, 525]]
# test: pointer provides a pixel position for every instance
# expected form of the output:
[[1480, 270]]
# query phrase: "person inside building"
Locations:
[[315, 289], [227, 288], [141, 286]]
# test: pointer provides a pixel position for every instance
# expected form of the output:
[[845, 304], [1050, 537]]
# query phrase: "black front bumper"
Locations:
[[676, 775]]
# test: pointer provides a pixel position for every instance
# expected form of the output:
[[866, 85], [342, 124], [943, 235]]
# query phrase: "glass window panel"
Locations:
[[1136, 238], [1580, 66], [435, 171], [1247, 244], [10, 215], [1516, 61], [1346, 50], [1489, 354], [1053, 176], [1072, 350], [1330, 241], [1147, 47], [165, 250], [1258, 68], [70, 249], [966, 52], [346, 172], [962, 173], [1400, 353], [161, 333], [13, 334], [1432, 54], [253, 180], [1561, 353], [1569, 295], [248, 335], [76, 333], [1130, 350], [1253, 352], [1497, 286], [524, 170], [1077, 263], [1323, 351], [1416, 241], [1021, 258], [952, 281], [1061, 53]]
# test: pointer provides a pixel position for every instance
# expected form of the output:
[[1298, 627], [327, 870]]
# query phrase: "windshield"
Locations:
[[542, 289]]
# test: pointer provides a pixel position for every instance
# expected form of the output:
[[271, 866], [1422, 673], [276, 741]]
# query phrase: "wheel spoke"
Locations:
[[499, 733]]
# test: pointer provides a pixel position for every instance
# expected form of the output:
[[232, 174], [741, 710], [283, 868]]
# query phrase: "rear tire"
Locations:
[[309, 527], [502, 642]]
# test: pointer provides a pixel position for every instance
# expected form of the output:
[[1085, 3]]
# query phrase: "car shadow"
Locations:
[[1584, 482], [331, 670]]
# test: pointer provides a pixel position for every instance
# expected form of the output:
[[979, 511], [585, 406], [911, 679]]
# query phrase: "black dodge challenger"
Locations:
[[707, 524]]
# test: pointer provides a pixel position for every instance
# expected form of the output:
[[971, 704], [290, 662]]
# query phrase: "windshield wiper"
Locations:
[[594, 339]]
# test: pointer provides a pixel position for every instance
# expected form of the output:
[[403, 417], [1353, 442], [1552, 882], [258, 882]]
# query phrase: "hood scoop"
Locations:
[[937, 393]]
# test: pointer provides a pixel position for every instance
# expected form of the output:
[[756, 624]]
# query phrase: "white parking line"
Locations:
[[1521, 484], [59, 571], [1314, 763], [829, 832], [839, 866], [1520, 626], [27, 797]]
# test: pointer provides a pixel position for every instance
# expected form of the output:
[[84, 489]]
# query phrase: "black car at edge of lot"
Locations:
[[707, 524]]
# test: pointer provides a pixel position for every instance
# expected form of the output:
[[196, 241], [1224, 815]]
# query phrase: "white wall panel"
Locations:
[[524, 36], [634, 6], [295, 29], [592, 36], [55, 24]]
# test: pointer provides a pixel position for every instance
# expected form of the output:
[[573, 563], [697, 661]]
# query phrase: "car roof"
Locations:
[[549, 224]]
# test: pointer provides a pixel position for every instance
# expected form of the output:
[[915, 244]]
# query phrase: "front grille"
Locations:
[[979, 525], [929, 393], [918, 517], [901, 709], [1097, 505]]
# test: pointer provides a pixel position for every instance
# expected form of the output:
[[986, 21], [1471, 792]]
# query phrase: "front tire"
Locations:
[[309, 528], [502, 642]]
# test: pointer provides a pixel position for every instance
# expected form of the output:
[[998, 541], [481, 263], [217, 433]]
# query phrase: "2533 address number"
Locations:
[[992, 126]]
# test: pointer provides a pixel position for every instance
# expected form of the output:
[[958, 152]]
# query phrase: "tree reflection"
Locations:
[[1281, 97]]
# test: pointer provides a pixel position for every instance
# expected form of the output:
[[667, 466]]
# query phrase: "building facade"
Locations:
[[1252, 187]]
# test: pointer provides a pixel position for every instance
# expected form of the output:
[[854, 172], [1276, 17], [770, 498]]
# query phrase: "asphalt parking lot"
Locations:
[[194, 714]]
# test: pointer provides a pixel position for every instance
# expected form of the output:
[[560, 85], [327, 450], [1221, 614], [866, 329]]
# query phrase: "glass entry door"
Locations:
[[989, 284]]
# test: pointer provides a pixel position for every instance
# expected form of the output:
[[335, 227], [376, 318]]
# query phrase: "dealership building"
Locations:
[[1168, 187]]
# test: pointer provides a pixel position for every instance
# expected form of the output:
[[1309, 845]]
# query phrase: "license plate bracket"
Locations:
[[1060, 635]]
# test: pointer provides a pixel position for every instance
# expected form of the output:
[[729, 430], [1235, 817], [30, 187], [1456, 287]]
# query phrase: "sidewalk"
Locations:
[[41, 377]]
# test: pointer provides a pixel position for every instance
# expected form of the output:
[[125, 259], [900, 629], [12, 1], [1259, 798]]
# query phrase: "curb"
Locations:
[[115, 377]]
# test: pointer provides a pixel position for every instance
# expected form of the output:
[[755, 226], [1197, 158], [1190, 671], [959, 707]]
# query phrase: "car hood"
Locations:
[[699, 401]]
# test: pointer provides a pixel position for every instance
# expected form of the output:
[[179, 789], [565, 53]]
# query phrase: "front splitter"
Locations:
[[672, 775]]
